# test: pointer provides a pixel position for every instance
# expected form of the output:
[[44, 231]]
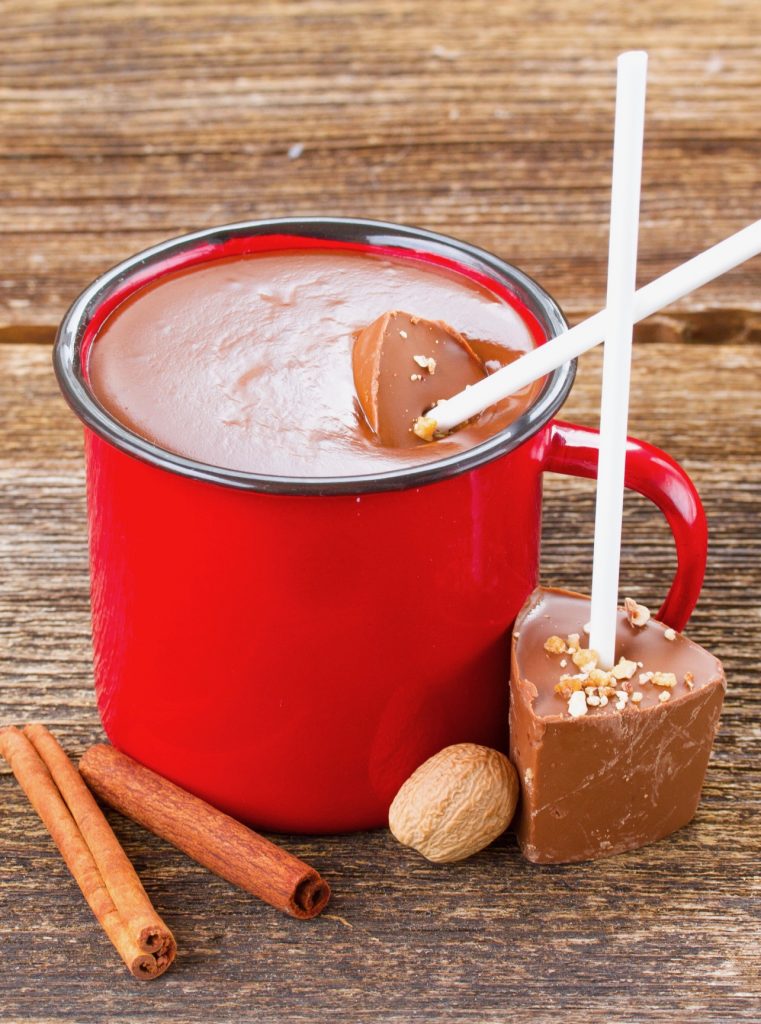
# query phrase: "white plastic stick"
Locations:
[[677, 283], [614, 407]]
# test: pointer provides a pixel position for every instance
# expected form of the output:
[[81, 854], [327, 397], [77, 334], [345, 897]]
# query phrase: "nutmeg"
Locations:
[[456, 803]]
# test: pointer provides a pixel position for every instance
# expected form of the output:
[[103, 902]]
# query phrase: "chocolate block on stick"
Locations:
[[608, 761], [402, 366]]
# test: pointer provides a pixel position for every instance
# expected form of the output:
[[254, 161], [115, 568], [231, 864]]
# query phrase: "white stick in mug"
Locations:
[[651, 298], [614, 406]]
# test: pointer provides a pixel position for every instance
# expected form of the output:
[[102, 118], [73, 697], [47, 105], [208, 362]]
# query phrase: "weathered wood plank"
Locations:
[[125, 125]]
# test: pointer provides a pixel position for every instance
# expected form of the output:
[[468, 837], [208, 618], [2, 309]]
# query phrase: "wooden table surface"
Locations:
[[125, 124]]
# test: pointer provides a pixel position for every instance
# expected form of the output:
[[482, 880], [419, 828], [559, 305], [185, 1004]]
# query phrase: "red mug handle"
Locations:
[[573, 450]]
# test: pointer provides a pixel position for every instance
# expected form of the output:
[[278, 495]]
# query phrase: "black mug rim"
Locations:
[[68, 364]]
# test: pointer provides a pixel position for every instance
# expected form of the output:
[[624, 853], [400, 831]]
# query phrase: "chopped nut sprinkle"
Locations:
[[667, 679], [425, 363], [637, 614], [636, 697], [425, 428], [663, 697], [593, 700], [563, 662], [402, 334], [689, 680], [573, 641], [416, 376], [554, 645], [598, 678], [645, 677], [585, 659], [625, 669], [577, 705], [670, 633]]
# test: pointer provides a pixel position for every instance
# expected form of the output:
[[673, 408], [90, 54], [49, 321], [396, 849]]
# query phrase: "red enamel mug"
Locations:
[[291, 649]]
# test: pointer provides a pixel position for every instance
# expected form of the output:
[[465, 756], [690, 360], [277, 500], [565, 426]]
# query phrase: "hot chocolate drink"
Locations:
[[246, 362]]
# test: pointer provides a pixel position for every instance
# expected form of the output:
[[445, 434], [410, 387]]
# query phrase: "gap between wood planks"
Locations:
[[705, 326]]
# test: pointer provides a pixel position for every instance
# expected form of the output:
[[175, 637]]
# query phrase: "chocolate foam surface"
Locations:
[[245, 362]]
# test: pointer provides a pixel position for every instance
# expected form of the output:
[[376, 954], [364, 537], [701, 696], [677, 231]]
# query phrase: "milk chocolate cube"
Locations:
[[606, 763]]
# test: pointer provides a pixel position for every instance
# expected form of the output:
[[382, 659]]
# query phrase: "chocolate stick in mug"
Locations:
[[614, 408], [402, 364], [651, 298]]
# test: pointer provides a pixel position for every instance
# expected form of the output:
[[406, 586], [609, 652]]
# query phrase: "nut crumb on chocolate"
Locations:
[[637, 614], [554, 645], [669, 634], [598, 678], [663, 697], [667, 679], [625, 669], [586, 660], [425, 428], [577, 704]]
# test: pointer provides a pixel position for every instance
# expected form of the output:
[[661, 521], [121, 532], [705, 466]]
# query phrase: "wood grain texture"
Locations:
[[122, 125], [125, 124]]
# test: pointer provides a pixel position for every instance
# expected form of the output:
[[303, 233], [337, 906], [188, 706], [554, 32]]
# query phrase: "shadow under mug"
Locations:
[[292, 649]]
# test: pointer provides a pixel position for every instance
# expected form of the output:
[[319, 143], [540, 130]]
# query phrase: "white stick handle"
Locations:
[[677, 283], [614, 406]]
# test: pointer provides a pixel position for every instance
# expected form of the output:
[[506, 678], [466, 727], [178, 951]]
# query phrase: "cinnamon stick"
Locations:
[[93, 855], [209, 836]]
